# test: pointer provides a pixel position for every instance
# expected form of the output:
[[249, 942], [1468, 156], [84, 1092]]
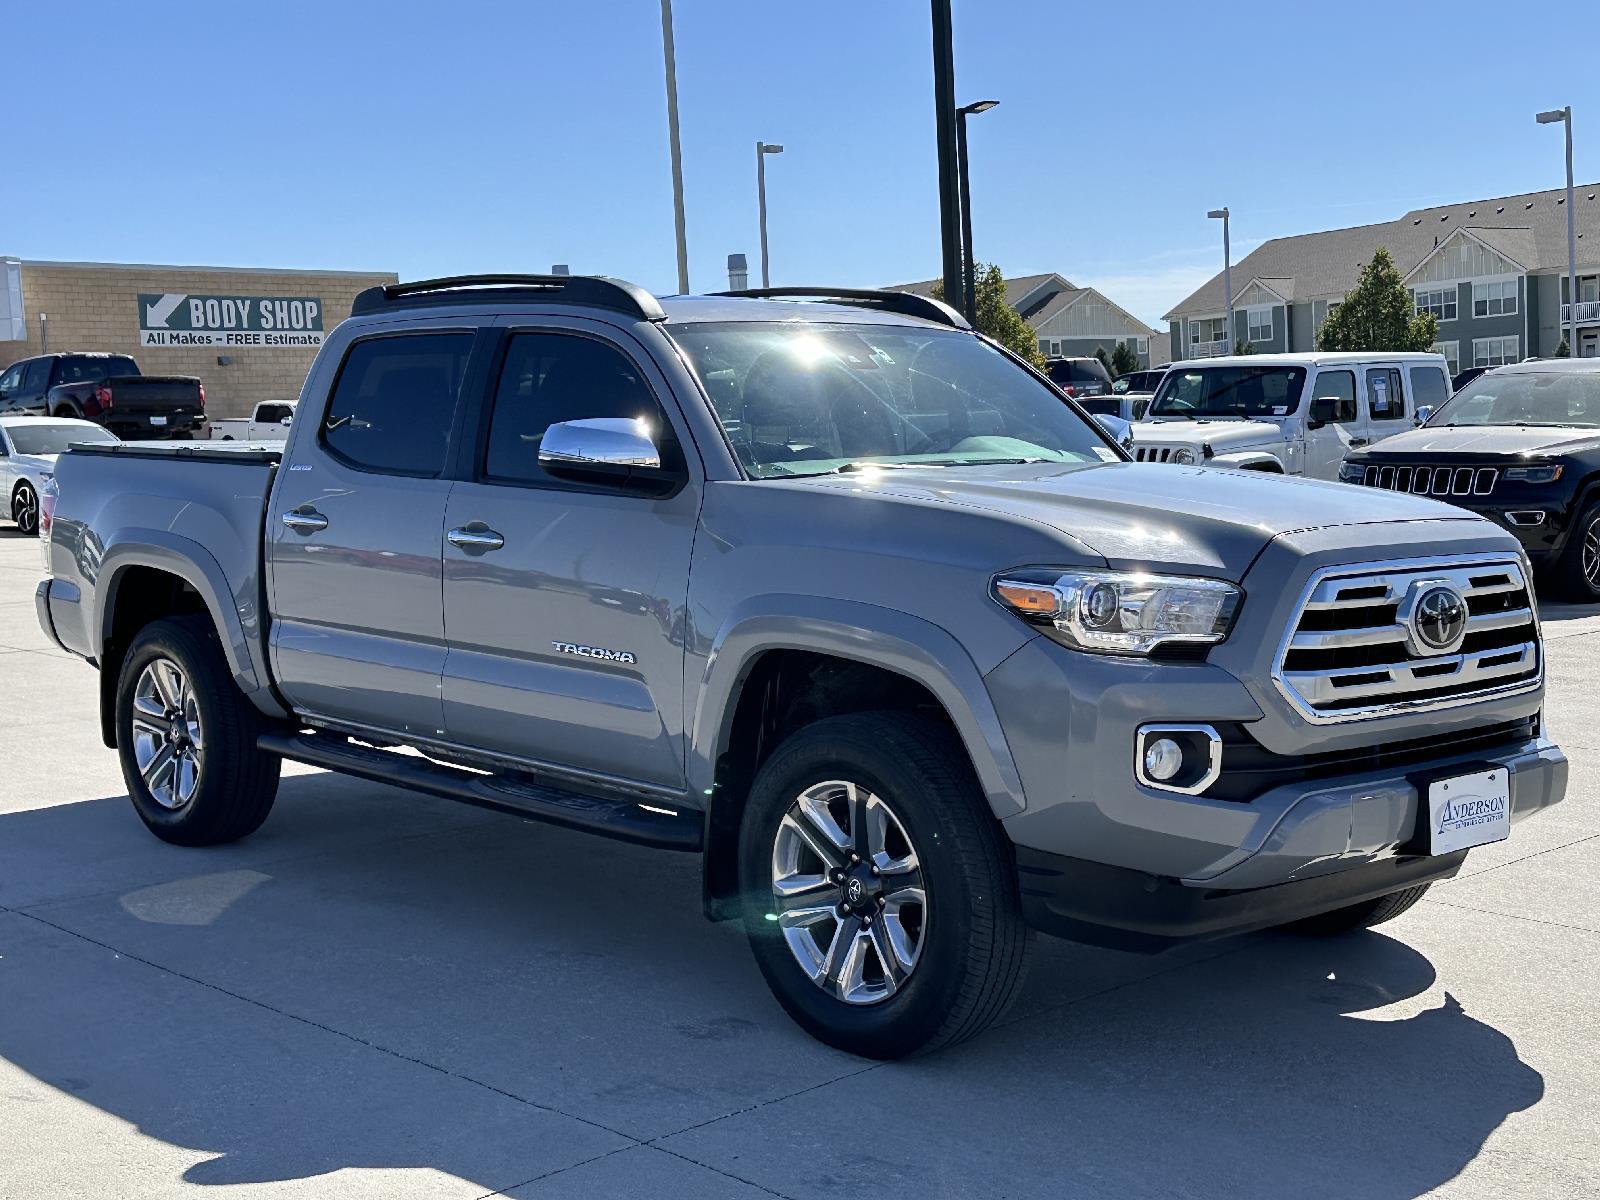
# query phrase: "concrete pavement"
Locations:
[[385, 995]]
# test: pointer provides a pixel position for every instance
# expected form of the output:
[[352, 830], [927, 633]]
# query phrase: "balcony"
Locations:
[[1588, 312], [1214, 349]]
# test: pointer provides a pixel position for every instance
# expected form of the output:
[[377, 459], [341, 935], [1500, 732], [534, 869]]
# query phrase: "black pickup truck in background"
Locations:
[[107, 389]]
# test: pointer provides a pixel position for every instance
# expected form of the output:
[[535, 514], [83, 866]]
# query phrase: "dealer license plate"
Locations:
[[158, 420], [1469, 810]]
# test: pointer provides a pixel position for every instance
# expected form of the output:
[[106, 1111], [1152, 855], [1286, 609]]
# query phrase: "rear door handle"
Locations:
[[476, 536], [305, 520]]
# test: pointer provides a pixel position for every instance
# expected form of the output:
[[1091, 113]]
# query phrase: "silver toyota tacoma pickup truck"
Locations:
[[830, 590]]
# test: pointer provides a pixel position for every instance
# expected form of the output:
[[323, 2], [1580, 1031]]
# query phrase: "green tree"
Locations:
[[1379, 314], [1105, 360], [998, 319], [1563, 350], [1243, 346], [1124, 359]]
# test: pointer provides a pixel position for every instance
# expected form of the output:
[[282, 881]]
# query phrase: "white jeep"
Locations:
[[1295, 414]]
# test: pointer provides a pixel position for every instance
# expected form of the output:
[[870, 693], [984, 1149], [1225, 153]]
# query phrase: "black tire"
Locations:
[[1570, 577], [236, 783], [25, 508], [972, 939], [1359, 916]]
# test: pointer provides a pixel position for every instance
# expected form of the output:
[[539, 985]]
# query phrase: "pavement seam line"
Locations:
[[1490, 912], [339, 1033], [1589, 837]]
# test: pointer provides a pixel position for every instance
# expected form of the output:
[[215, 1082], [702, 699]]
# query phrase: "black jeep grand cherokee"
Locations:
[[1521, 446]]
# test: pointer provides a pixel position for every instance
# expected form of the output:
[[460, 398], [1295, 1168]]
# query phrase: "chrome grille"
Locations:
[[1427, 480], [1350, 654]]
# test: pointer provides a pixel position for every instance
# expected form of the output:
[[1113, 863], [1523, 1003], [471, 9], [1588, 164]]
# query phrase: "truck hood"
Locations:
[[1149, 515], [1489, 439], [1220, 435]]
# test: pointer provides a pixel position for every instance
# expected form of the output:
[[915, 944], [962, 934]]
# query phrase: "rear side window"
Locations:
[[1429, 386], [1385, 400], [93, 370], [394, 400], [1341, 385], [552, 377]]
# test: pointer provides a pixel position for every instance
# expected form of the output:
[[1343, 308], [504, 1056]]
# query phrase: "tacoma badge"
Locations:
[[600, 652]]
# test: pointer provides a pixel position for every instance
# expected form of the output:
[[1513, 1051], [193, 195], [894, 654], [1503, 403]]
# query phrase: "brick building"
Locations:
[[248, 333]]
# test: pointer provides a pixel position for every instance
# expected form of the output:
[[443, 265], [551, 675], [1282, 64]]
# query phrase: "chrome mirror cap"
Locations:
[[1424, 411], [600, 442]]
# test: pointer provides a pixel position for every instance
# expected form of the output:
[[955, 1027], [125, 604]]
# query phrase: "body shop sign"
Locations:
[[179, 319]]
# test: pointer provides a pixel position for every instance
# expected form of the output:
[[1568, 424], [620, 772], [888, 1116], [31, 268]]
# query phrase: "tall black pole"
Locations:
[[969, 268], [944, 103]]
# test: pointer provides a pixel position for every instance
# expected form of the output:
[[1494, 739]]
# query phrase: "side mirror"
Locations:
[[1121, 432], [612, 448], [1324, 409], [1424, 411], [287, 421]]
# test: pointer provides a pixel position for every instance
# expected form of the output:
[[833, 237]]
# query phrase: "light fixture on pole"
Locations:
[[969, 283], [1221, 214], [762, 150], [669, 52], [1564, 115]]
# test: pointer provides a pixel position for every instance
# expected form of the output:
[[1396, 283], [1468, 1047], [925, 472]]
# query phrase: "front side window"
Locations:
[[394, 402], [1385, 400], [1495, 351], [54, 439], [1441, 302], [552, 377], [10, 379], [1259, 324], [807, 399], [1525, 398], [1494, 299], [36, 378], [1229, 392], [274, 414]]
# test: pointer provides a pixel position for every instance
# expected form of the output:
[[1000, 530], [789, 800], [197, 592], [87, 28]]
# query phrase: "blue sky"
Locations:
[[435, 139]]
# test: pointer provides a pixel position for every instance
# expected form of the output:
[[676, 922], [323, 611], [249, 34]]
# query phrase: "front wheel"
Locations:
[[187, 737], [1578, 571], [25, 508], [880, 893]]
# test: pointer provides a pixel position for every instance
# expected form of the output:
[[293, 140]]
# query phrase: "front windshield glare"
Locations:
[[1236, 392], [807, 399], [1525, 398], [54, 439]]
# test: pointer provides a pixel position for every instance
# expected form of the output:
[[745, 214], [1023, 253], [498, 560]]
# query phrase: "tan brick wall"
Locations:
[[93, 306]]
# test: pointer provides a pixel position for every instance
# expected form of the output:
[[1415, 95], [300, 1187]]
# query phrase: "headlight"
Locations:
[[1352, 472], [1533, 474], [1185, 457], [1117, 612]]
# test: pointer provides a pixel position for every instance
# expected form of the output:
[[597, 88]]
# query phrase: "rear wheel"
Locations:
[[880, 894], [1359, 916], [187, 736], [1578, 572], [25, 508]]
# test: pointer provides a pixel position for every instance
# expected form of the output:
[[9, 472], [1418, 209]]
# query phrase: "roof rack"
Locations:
[[907, 304], [596, 291]]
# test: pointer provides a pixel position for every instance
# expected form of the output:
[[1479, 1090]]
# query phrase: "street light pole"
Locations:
[[670, 53], [1564, 115], [1227, 270], [944, 108], [762, 150], [969, 267]]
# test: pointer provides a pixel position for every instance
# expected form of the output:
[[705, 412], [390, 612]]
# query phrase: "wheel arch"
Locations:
[[783, 662]]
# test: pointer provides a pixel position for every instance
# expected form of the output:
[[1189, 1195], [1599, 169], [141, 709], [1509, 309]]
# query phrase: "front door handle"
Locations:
[[476, 536], [305, 520]]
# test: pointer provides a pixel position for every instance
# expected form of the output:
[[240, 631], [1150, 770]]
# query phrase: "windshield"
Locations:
[[1233, 391], [1525, 398], [806, 399], [53, 439]]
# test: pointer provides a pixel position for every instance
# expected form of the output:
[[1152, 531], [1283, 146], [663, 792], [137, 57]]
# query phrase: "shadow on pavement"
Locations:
[[479, 998]]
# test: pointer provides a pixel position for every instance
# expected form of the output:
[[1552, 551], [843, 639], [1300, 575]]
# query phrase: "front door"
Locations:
[[565, 603], [355, 534], [1327, 446]]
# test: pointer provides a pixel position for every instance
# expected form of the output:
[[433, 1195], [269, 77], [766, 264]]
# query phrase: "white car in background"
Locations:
[[29, 447], [269, 423]]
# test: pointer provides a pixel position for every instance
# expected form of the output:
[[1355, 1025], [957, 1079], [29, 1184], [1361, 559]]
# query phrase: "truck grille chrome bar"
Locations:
[[1427, 480], [1418, 635]]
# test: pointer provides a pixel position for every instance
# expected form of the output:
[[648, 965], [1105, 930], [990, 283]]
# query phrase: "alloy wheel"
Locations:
[[25, 508], [1591, 554], [848, 892], [168, 742]]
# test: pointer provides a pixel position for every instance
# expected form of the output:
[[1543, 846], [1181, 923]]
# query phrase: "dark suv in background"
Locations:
[[1520, 444], [1079, 376]]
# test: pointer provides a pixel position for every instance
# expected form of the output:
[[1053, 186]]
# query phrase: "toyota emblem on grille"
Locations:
[[1439, 618]]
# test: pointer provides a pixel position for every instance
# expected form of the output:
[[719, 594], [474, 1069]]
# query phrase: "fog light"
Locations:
[[1163, 759]]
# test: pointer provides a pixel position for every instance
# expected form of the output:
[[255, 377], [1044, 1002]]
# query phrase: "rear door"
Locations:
[[566, 631], [1327, 446], [355, 532]]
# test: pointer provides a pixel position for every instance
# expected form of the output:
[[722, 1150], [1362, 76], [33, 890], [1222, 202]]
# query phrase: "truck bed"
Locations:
[[236, 452]]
